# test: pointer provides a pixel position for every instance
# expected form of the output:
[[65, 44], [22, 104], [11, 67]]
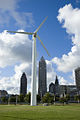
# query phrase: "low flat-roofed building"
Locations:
[[68, 89]]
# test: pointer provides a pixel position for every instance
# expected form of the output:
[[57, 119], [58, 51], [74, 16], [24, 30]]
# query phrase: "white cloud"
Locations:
[[62, 81], [51, 75], [72, 77], [10, 84], [9, 11], [14, 48], [70, 18]]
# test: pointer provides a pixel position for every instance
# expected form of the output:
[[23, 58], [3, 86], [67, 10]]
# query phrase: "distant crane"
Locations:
[[33, 84]]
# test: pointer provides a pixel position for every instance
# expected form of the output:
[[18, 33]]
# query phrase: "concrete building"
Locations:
[[23, 84], [42, 79], [68, 89], [77, 78]]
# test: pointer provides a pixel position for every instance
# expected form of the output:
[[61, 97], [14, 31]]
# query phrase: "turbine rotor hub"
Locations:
[[35, 35]]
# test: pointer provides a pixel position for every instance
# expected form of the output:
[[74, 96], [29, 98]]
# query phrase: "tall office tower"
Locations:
[[23, 84], [77, 78], [42, 80], [56, 81]]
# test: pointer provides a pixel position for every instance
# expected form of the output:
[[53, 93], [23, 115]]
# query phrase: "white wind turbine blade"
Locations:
[[41, 25], [43, 46], [29, 33]]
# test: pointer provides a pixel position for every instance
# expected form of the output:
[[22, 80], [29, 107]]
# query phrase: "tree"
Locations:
[[48, 98], [67, 98], [4, 99], [12, 98], [38, 98], [56, 97], [62, 100], [27, 98], [77, 98], [21, 98]]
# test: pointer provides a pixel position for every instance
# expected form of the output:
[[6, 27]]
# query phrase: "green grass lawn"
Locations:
[[24, 112]]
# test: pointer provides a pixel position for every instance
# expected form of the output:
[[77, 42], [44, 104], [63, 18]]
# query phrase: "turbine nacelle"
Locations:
[[34, 35]]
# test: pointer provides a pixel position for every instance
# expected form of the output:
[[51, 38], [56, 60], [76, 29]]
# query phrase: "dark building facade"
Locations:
[[77, 78], [56, 86], [42, 79], [23, 84], [52, 88]]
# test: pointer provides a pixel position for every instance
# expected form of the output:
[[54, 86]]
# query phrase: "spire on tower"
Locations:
[[56, 81]]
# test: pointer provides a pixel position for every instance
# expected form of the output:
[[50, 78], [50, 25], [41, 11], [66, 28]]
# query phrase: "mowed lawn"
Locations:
[[24, 112]]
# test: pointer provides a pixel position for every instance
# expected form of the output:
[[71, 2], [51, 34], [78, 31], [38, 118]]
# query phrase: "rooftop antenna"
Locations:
[[34, 76]]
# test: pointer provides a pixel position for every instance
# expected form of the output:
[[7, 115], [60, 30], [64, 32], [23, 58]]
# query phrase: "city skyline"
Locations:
[[61, 38]]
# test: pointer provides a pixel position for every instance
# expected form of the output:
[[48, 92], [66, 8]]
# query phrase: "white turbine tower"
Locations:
[[33, 85]]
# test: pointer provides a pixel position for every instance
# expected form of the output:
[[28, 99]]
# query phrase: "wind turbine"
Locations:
[[33, 87]]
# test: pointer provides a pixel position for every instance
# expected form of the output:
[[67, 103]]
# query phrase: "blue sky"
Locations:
[[60, 35]]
